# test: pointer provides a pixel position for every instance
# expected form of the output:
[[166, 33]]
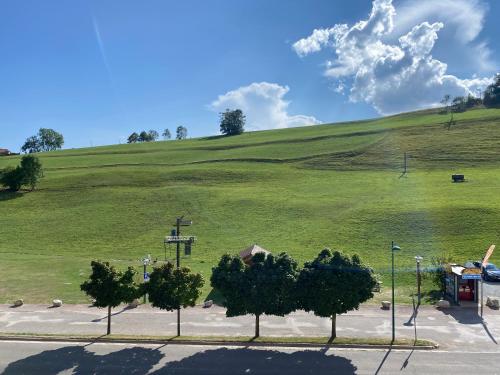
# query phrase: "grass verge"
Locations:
[[231, 340]]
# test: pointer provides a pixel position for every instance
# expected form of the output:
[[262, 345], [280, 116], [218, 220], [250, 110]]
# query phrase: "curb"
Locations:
[[211, 342]]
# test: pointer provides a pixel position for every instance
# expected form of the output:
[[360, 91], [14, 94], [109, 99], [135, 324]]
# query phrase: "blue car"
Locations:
[[491, 272]]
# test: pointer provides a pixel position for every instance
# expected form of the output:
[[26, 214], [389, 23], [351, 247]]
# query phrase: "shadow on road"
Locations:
[[463, 315], [256, 361], [469, 315], [407, 361], [126, 361], [222, 361], [382, 362], [485, 326]]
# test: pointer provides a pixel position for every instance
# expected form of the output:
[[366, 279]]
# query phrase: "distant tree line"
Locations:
[[490, 99], [27, 173], [153, 135], [330, 284], [143, 136], [492, 94]]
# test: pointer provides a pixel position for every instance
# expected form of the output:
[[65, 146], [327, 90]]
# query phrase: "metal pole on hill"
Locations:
[[405, 170], [394, 248], [178, 262], [178, 223]]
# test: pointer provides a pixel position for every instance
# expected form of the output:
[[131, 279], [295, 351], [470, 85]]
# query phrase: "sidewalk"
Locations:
[[453, 328]]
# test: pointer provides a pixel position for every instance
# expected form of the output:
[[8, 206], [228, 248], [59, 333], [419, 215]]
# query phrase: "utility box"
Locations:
[[187, 248]]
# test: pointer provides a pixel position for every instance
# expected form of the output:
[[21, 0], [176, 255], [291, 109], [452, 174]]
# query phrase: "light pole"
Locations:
[[394, 248], [145, 262], [418, 258]]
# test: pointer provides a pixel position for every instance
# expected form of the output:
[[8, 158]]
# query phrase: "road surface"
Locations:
[[453, 328], [17, 358]]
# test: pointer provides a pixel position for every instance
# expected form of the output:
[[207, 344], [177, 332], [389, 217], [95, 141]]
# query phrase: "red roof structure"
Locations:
[[249, 252]]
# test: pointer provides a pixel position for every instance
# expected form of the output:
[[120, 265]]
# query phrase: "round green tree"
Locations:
[[232, 122], [264, 286], [110, 287], [334, 284]]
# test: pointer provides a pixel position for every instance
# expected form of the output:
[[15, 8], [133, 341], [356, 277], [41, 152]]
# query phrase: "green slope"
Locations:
[[295, 190]]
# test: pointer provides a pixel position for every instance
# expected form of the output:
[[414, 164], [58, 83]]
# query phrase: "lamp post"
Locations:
[[394, 248], [145, 262], [418, 259]]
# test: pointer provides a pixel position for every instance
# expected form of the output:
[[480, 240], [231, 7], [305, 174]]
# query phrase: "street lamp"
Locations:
[[145, 262], [394, 248], [418, 258]]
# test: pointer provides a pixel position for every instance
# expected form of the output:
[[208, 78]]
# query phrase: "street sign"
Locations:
[[146, 276], [179, 239], [184, 223], [471, 276]]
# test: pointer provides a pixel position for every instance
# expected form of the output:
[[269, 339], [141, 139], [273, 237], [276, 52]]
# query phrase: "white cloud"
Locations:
[[318, 39], [464, 17], [264, 106], [396, 71]]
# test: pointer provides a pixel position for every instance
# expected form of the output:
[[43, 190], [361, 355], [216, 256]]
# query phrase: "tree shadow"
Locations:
[[137, 360], [7, 195], [432, 296], [212, 137], [256, 361], [82, 362]]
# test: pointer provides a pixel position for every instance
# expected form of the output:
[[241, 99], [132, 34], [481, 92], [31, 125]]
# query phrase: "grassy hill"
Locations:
[[296, 190]]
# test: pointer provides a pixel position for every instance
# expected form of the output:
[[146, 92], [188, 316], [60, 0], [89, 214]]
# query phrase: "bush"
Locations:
[[12, 178], [31, 170], [28, 173]]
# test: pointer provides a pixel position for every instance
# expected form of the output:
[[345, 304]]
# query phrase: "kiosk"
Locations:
[[462, 283]]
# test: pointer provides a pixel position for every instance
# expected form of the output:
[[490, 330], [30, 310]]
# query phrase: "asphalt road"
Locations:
[[491, 288], [17, 358], [453, 328]]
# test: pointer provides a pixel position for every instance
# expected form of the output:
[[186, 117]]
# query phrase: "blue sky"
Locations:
[[96, 71]]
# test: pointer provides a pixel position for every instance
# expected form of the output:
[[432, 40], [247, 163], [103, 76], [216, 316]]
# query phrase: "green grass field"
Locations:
[[295, 190]]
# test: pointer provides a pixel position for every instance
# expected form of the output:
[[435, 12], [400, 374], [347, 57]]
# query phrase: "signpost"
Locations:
[[483, 264], [176, 238]]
